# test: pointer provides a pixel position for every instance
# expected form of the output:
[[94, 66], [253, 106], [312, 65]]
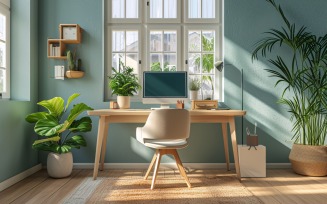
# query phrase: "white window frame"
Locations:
[[164, 20], [5, 10], [165, 28], [217, 52], [124, 20], [217, 19], [109, 48], [182, 25]]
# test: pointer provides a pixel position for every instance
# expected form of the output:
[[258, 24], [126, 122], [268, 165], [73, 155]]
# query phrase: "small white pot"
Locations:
[[194, 95], [123, 102], [59, 165]]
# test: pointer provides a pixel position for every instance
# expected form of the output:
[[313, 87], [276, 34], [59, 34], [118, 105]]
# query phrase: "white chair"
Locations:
[[165, 130]]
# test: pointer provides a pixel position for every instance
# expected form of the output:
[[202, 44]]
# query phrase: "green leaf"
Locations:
[[34, 117], [50, 127], [71, 98], [53, 139], [82, 125], [76, 141], [76, 111], [47, 146], [55, 106], [65, 149]]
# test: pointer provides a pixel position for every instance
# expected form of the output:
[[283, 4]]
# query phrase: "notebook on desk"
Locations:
[[223, 106]]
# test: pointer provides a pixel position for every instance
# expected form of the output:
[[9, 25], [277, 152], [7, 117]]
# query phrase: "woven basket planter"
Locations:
[[309, 160]]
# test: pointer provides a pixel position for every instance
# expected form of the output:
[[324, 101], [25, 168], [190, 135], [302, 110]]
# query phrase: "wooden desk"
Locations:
[[107, 116]]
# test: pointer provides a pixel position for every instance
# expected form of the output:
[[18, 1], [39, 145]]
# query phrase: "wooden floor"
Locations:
[[280, 186]]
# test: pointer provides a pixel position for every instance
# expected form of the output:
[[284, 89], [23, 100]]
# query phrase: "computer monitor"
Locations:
[[164, 87]]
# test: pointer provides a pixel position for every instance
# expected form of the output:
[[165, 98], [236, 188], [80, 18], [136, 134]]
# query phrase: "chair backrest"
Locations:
[[167, 124]]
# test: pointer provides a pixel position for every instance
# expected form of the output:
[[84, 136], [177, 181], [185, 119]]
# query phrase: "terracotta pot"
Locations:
[[309, 160], [123, 102], [59, 165]]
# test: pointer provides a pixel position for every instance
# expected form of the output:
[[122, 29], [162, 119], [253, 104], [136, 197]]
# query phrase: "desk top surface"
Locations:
[[109, 112]]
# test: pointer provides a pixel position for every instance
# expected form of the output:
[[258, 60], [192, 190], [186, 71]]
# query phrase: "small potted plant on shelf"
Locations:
[[194, 86], [56, 131], [73, 71], [302, 73], [124, 84]]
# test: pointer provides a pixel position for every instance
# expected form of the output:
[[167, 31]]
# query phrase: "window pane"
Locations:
[[2, 80], [207, 63], [155, 41], [208, 40], [118, 7], [116, 59], [194, 63], [194, 41], [118, 41], [155, 8], [194, 8], [170, 62], [207, 86], [2, 27], [170, 41], [132, 61], [208, 8], [155, 62], [2, 54], [132, 9], [170, 9], [132, 44]]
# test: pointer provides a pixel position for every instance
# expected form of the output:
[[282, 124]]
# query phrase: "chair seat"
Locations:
[[166, 144]]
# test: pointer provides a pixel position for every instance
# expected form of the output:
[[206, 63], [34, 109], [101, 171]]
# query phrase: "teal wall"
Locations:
[[16, 136], [245, 21]]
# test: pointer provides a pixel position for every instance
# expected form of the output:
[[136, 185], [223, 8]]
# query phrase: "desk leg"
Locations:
[[104, 146], [234, 144], [101, 132], [225, 139]]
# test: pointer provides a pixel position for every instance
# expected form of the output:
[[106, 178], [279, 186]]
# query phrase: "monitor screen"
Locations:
[[164, 87]]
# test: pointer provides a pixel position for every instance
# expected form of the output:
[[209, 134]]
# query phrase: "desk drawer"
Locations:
[[204, 104]]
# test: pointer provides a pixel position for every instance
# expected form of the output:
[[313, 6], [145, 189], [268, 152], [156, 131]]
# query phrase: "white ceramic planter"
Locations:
[[193, 95], [59, 165], [123, 102]]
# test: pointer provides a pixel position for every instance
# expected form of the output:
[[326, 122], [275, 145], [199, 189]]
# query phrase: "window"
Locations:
[[4, 51], [169, 40]]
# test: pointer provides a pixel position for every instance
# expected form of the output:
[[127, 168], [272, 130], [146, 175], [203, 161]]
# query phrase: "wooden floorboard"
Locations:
[[279, 187]]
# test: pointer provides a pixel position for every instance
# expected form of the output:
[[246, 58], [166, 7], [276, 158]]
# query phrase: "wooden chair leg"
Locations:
[[151, 164], [156, 168], [181, 168]]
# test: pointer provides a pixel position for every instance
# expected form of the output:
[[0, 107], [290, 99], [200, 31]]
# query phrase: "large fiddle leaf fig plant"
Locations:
[[302, 72], [59, 133]]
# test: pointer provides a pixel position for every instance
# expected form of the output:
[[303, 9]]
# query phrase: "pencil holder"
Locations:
[[180, 105], [252, 140]]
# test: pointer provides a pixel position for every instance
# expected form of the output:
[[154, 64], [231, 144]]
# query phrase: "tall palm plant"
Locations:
[[303, 76]]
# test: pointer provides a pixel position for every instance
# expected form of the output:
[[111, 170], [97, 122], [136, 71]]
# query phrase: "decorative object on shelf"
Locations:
[[59, 72], [69, 34], [204, 104], [194, 86], [73, 72], [124, 84], [304, 79], [57, 132]]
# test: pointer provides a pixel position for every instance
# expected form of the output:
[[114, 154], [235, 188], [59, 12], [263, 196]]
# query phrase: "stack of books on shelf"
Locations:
[[54, 50]]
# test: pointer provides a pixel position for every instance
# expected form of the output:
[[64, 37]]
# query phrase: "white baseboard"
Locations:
[[172, 165], [11, 181]]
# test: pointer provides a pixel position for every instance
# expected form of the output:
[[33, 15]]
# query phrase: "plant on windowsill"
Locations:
[[56, 129], [124, 83], [303, 74], [194, 86], [73, 71]]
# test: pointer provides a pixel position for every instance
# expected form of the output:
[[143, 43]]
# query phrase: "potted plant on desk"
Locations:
[[194, 86], [303, 73], [57, 131], [124, 83]]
